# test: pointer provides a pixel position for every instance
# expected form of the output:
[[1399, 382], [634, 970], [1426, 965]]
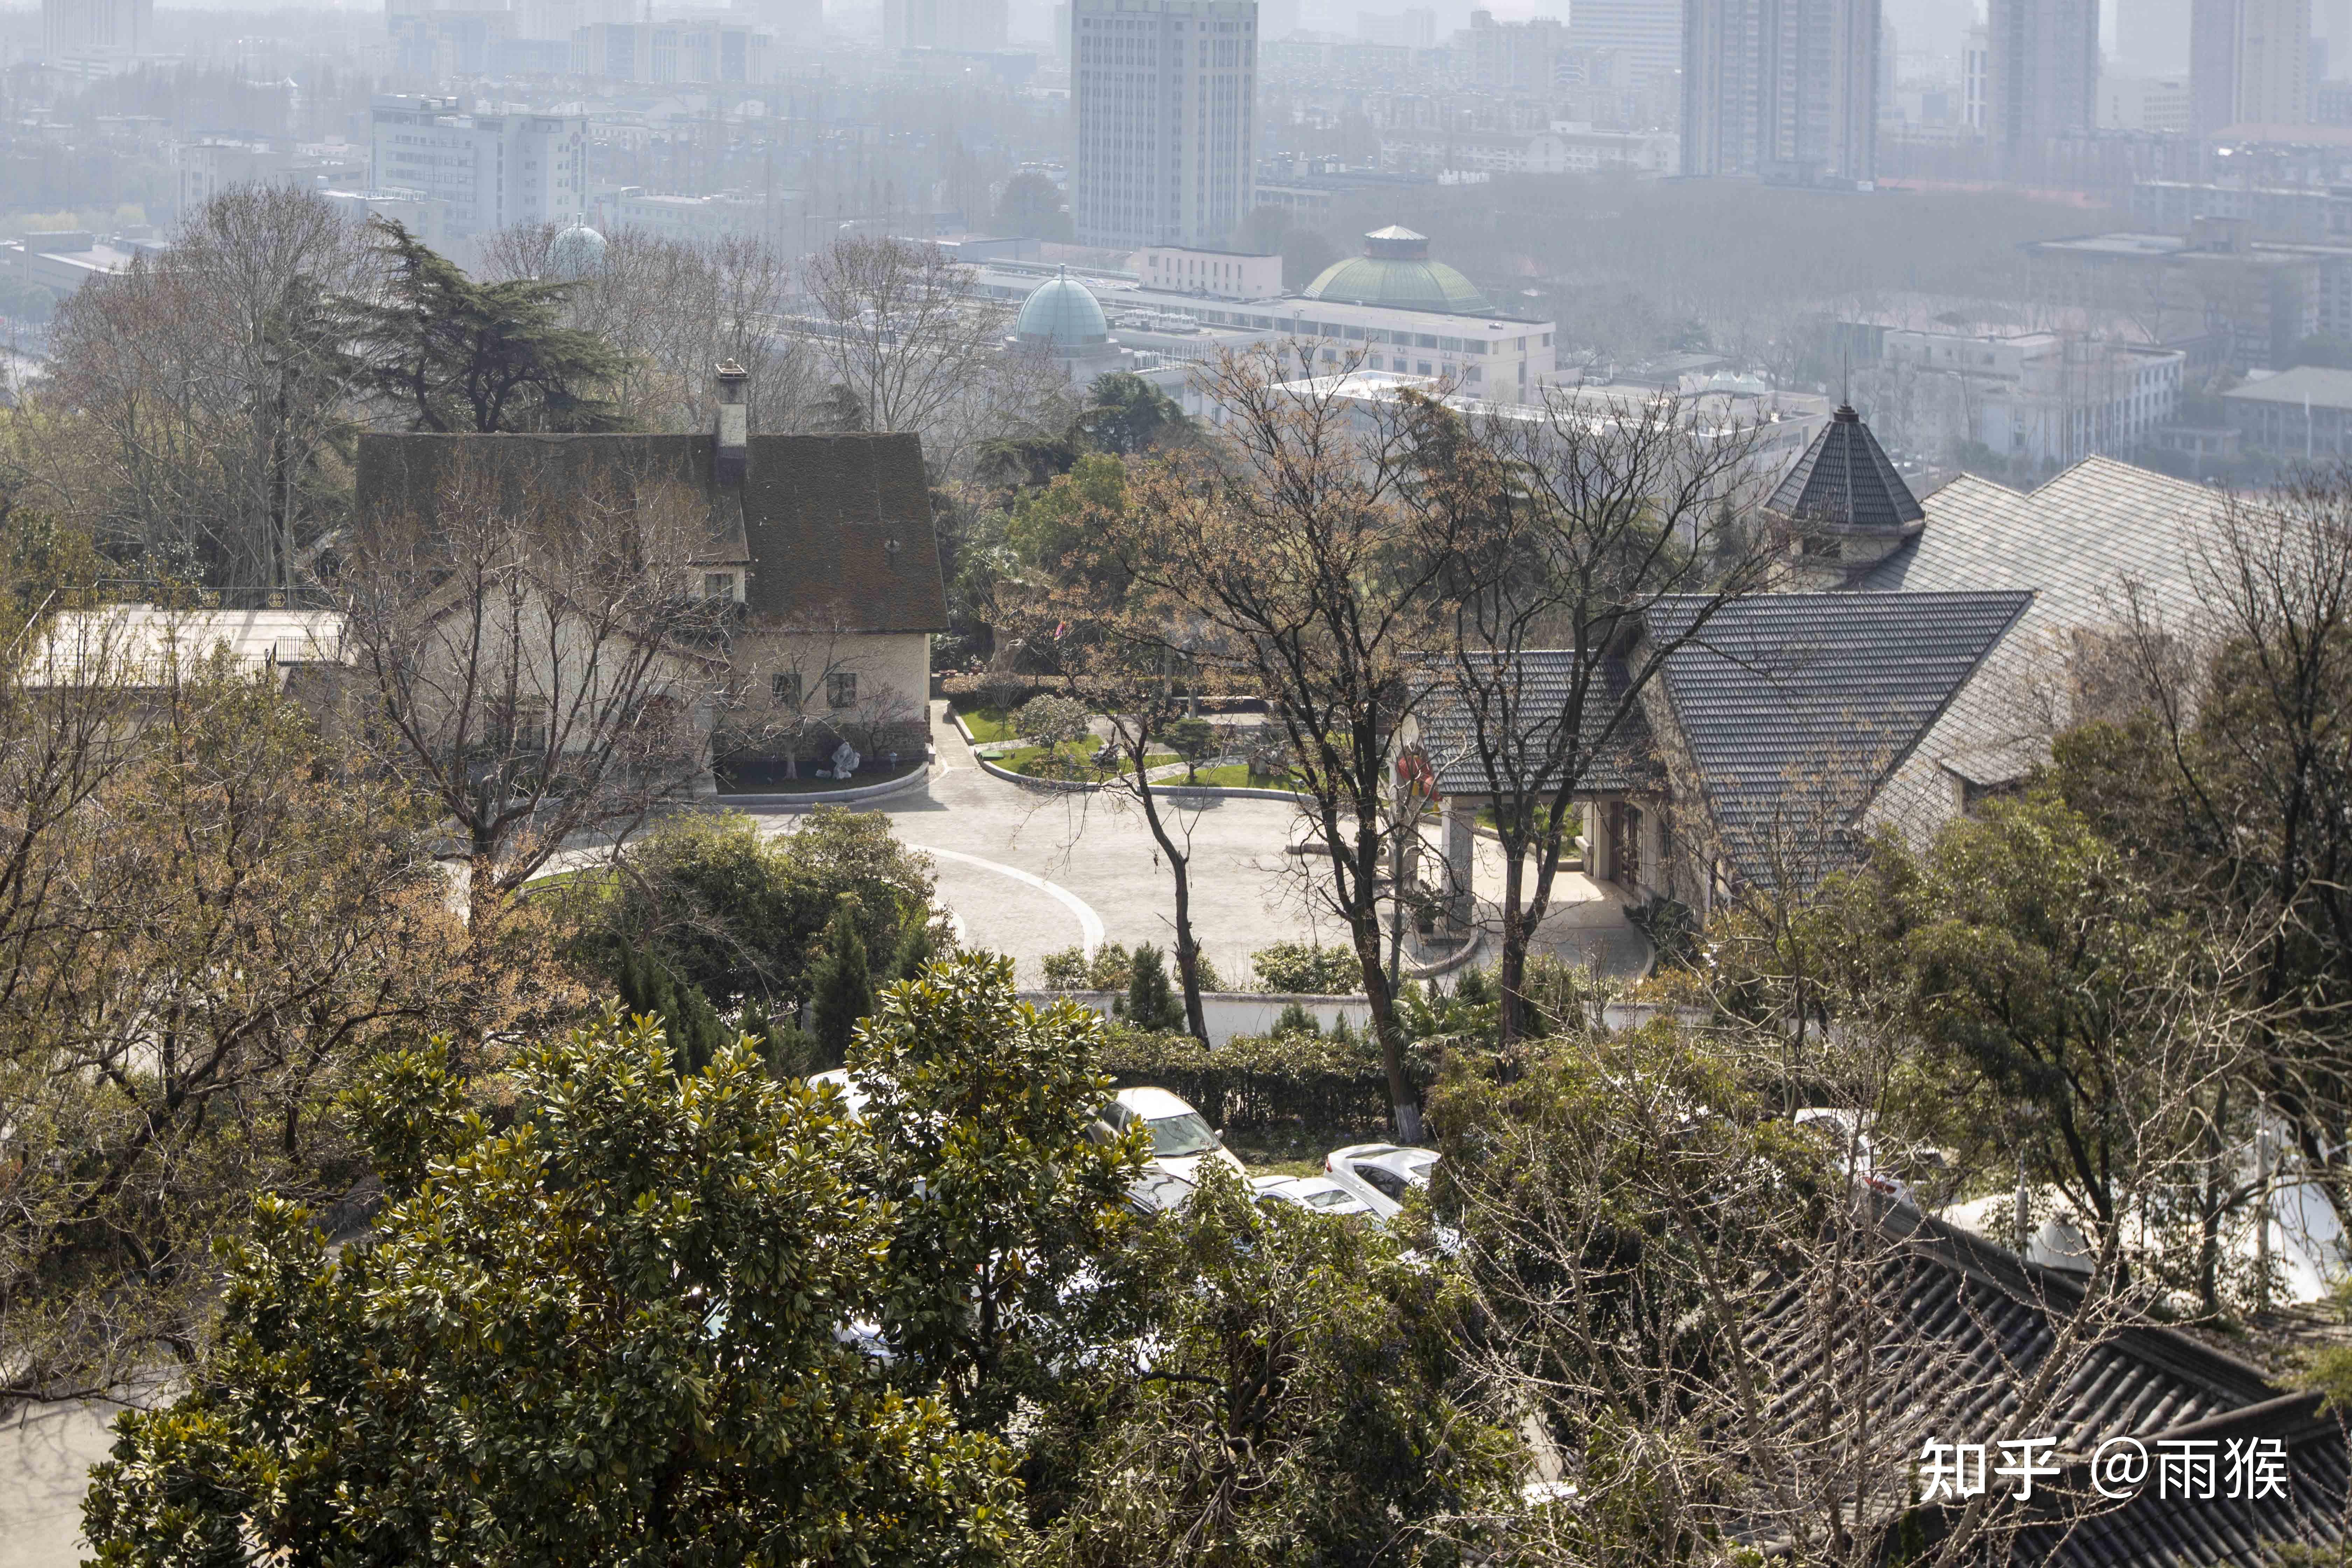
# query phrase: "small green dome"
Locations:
[[1395, 270], [1061, 317]]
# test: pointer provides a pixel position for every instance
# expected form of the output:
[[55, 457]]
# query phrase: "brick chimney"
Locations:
[[734, 430]]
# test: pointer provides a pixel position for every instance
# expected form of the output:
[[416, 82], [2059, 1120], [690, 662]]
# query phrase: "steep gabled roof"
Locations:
[[1540, 684], [1792, 708], [837, 530], [1845, 484]]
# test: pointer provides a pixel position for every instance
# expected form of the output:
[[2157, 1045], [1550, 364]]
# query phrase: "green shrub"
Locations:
[[1111, 969], [1308, 968], [1329, 1086], [1150, 1005], [1297, 1020]]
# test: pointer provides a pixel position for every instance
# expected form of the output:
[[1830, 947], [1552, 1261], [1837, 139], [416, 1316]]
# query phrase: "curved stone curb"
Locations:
[[920, 779], [1470, 949], [1169, 792]]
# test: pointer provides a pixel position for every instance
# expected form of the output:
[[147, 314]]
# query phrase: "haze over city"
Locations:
[[1042, 783]]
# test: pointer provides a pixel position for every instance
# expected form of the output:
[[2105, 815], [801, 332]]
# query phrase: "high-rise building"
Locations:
[[963, 27], [1164, 97], [2042, 75], [1511, 57], [1784, 90], [493, 170], [96, 33], [1647, 35], [2249, 62], [685, 52], [1976, 80]]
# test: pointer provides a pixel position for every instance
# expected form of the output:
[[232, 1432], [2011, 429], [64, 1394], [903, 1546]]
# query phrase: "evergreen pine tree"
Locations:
[[915, 950], [1151, 1003], [842, 991]]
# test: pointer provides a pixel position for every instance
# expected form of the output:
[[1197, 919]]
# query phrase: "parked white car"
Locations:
[[1180, 1137], [1380, 1173], [1320, 1195]]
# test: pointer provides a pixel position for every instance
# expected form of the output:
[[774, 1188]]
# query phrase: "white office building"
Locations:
[[1164, 95], [493, 170]]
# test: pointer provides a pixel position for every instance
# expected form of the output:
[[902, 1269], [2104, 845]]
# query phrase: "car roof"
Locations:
[[1403, 1162], [1153, 1104]]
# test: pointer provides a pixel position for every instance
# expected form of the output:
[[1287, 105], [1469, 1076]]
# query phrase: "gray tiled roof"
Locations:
[[2082, 543], [1960, 1325], [1536, 693], [1845, 484], [1804, 702], [836, 529]]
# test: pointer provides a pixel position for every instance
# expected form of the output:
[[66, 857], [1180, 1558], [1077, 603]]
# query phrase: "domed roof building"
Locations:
[[1061, 317], [576, 252], [1395, 270]]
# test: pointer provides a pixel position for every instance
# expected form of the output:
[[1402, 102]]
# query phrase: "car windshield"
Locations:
[[1173, 1137]]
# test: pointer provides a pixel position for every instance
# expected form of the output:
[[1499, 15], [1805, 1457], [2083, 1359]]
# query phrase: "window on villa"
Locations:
[[784, 686], [841, 690], [719, 584]]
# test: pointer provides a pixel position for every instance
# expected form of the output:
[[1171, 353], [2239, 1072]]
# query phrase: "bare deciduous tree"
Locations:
[[541, 664], [210, 390]]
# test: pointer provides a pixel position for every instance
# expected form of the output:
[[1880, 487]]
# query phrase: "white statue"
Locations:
[[844, 760]]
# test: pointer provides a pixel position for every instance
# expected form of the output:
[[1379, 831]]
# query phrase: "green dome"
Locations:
[[1061, 317], [1395, 270]]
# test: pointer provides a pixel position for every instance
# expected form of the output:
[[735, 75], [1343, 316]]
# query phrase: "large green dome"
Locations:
[[1061, 317], [1395, 270]]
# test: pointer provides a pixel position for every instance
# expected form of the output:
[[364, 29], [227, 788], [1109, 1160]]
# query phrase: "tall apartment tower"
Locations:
[[1164, 96], [1646, 34], [2249, 63], [962, 25], [89, 31], [1785, 90], [2041, 76]]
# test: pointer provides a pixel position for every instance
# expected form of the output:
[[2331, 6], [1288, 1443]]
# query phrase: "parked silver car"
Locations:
[[1380, 1173], [1320, 1195]]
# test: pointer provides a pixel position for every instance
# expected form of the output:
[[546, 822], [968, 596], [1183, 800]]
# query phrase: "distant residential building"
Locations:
[[698, 53], [1783, 90], [203, 170], [2145, 103], [2227, 301], [427, 218], [493, 170], [1647, 35], [2306, 412], [96, 38], [2317, 215], [1410, 28], [1568, 148], [557, 20], [439, 43], [62, 260], [1309, 189], [964, 27], [1510, 57], [2045, 75], [2249, 62], [698, 220], [1164, 97], [1976, 80], [2049, 398], [1220, 274]]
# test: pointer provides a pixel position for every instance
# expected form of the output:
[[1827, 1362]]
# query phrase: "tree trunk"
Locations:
[[1188, 952]]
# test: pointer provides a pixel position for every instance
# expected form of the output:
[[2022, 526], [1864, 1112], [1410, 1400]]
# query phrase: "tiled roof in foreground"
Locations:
[[1794, 706]]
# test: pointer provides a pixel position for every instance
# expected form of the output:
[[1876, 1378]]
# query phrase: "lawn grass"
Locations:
[[986, 723]]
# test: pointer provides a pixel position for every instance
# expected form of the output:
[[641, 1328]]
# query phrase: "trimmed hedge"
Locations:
[[1311, 1084]]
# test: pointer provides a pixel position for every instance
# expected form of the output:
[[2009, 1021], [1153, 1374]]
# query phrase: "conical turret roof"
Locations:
[[1845, 484]]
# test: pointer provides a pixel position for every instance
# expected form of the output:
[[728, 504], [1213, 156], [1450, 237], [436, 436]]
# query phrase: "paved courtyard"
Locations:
[[1028, 871]]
